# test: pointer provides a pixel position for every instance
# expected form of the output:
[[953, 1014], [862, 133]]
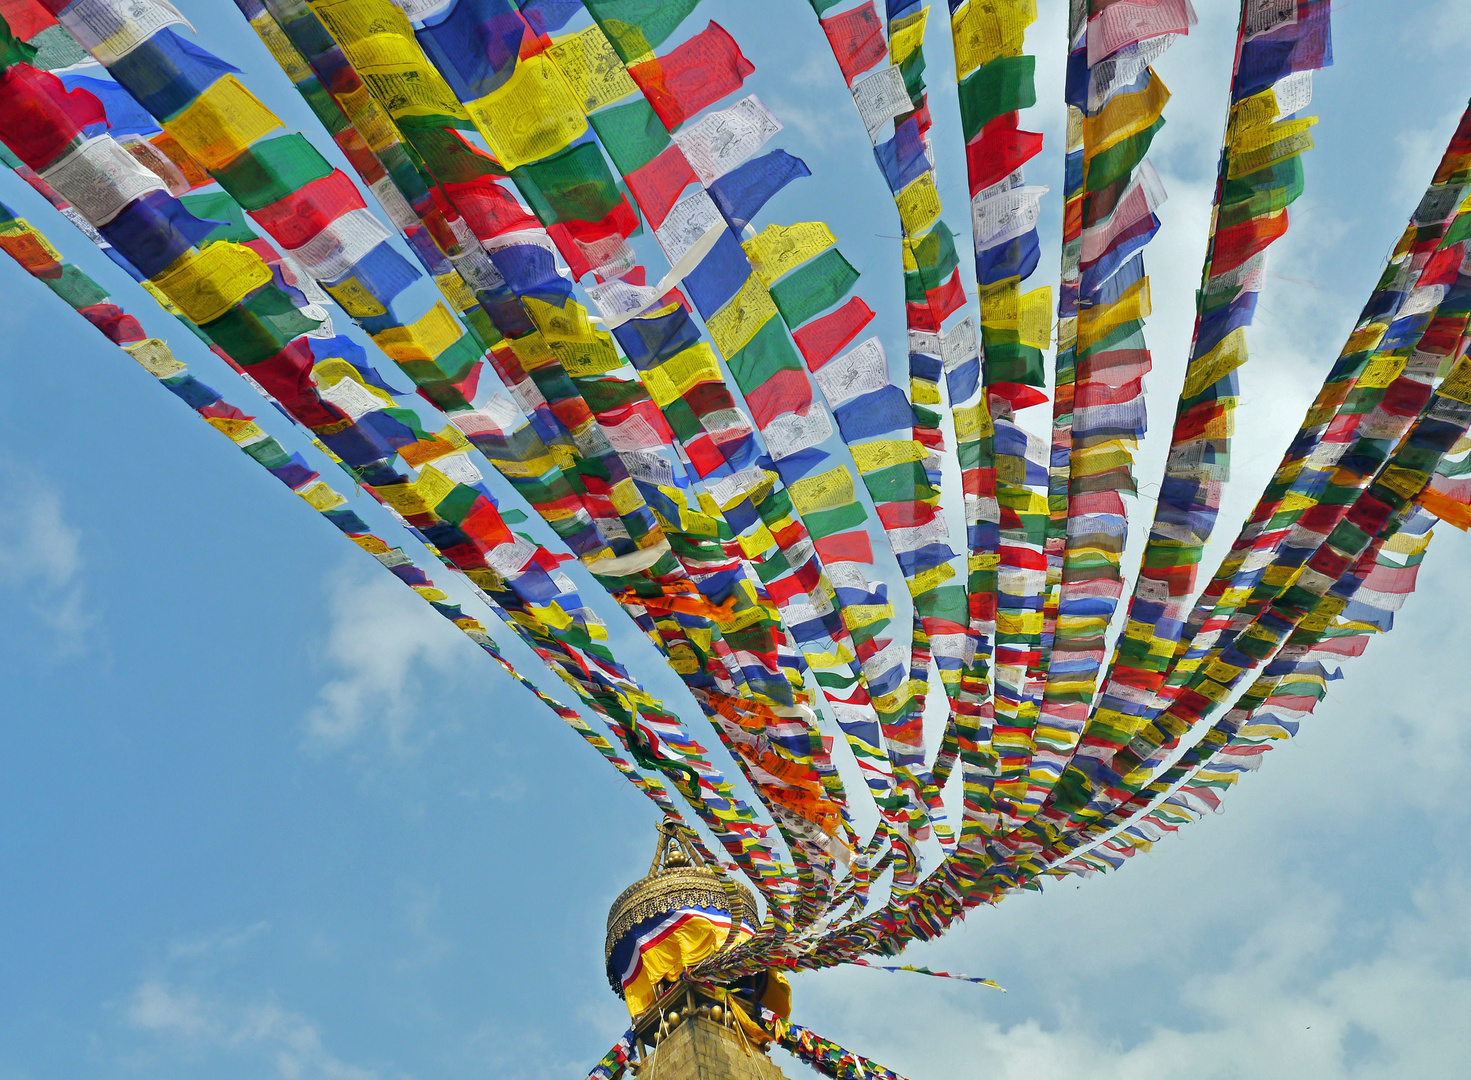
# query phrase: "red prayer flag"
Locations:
[[1237, 243], [905, 515], [287, 377], [821, 339], [120, 327], [301, 215], [698, 73], [38, 118], [786, 391], [939, 303], [852, 546], [1021, 397], [998, 150], [487, 208], [658, 184], [857, 38], [27, 18], [1443, 267]]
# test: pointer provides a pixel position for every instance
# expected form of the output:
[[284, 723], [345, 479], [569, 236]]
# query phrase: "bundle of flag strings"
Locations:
[[719, 445]]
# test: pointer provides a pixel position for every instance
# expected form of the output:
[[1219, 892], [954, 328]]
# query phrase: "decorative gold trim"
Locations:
[[679, 878]]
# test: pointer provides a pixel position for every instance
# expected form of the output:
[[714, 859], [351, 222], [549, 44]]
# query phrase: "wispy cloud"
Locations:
[[186, 1024], [1289, 1005], [222, 942], [41, 560], [382, 642]]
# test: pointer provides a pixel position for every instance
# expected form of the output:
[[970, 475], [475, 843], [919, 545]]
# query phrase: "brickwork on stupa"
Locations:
[[702, 1049]]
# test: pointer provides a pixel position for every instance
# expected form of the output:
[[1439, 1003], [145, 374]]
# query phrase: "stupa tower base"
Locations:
[[689, 1037]]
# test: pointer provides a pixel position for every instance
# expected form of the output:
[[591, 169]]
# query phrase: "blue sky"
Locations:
[[267, 816]]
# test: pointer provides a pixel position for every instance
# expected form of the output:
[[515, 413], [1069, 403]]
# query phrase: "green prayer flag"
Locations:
[[271, 170], [219, 206], [994, 89], [571, 185], [1260, 193], [259, 327], [76, 288], [822, 523], [449, 159], [1006, 359], [770, 351], [636, 27], [904, 482], [12, 49], [812, 287], [632, 134], [1119, 160]]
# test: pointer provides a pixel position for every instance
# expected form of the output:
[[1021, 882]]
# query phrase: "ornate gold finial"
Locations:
[[679, 877]]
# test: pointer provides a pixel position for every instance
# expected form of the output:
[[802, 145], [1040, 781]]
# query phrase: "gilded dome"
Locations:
[[679, 880]]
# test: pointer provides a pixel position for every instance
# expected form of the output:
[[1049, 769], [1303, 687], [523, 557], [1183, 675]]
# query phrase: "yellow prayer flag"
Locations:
[[155, 357], [736, 324], [779, 248], [373, 124], [985, 30], [1034, 318], [532, 116], [1258, 137], [681, 373], [355, 299], [757, 543], [589, 358], [1261, 148], [1367, 337], [1457, 384], [330, 372], [424, 339], [454, 289], [983, 561], [379, 40], [285, 53], [973, 422], [1096, 323], [239, 431], [320, 496], [592, 68], [565, 322], [924, 392], [221, 123], [1123, 116], [825, 491], [206, 284], [433, 486], [532, 351], [1380, 371], [933, 578], [919, 205], [906, 35], [882, 453], [1215, 365]]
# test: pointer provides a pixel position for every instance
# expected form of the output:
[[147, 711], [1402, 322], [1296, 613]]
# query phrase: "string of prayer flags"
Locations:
[[1199, 452], [727, 446], [922, 970], [1098, 407]]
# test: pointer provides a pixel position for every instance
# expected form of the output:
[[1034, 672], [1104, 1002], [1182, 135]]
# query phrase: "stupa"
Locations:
[[660, 929]]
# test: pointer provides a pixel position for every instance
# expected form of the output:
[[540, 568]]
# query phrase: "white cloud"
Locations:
[[216, 944], [382, 640], [188, 1026], [41, 559], [1290, 1004]]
